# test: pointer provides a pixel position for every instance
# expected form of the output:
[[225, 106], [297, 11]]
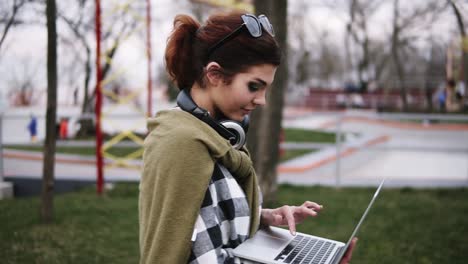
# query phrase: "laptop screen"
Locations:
[[343, 250]]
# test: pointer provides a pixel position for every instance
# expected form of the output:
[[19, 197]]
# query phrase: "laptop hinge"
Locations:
[[337, 256]]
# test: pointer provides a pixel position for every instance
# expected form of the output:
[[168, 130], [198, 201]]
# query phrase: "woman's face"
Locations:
[[246, 91]]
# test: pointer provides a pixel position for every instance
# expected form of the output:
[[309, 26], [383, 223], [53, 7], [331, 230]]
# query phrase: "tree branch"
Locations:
[[11, 20]]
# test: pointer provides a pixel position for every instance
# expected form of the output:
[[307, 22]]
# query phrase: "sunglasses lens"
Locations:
[[266, 24], [252, 25]]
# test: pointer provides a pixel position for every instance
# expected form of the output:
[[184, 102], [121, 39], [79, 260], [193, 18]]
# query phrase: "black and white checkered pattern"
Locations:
[[223, 221]]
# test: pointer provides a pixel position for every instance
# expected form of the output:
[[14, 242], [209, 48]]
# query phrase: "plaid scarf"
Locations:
[[223, 221]]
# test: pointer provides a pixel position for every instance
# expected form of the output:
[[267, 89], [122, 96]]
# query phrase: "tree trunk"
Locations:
[[396, 56], [261, 7], [348, 61], [464, 39], [401, 84], [431, 71], [268, 132], [428, 86], [86, 124], [85, 105], [49, 145]]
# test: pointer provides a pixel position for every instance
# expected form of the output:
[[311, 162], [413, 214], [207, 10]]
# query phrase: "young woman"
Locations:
[[199, 196]]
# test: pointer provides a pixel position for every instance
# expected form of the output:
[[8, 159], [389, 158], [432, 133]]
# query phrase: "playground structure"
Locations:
[[102, 53]]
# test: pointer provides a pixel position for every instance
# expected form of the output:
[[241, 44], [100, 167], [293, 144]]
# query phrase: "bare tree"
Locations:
[[22, 80], [8, 16], [314, 58], [81, 25], [117, 28], [359, 45], [464, 39], [329, 66], [434, 71], [357, 29], [380, 56], [301, 60], [51, 115], [267, 132], [261, 7], [122, 25], [365, 57], [406, 28]]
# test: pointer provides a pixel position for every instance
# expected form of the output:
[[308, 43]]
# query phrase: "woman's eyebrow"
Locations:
[[261, 81]]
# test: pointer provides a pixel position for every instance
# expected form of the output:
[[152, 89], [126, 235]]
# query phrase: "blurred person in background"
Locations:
[[63, 128], [32, 128]]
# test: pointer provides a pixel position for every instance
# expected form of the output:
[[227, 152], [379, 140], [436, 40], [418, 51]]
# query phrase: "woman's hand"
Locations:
[[349, 252], [289, 215]]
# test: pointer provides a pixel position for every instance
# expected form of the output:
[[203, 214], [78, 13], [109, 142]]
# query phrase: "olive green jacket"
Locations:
[[179, 158]]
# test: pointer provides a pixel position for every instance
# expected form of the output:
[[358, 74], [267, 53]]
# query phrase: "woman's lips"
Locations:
[[246, 111]]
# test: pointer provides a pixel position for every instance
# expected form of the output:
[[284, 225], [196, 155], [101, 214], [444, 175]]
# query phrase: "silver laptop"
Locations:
[[276, 245]]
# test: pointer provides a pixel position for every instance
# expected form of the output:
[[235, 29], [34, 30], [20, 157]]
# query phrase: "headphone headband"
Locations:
[[235, 134]]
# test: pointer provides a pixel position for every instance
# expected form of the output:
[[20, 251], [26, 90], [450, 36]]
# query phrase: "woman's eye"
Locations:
[[253, 87]]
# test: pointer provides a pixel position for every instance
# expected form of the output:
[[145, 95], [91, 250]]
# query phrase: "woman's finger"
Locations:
[[312, 205], [288, 214], [307, 211]]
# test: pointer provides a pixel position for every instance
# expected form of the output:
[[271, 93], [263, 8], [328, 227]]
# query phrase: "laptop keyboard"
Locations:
[[306, 250]]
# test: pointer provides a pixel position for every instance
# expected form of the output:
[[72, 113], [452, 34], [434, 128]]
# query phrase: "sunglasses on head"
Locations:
[[254, 26]]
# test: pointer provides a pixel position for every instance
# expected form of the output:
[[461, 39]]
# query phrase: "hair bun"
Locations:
[[179, 50]]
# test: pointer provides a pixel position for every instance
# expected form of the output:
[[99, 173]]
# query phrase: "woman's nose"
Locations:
[[260, 98]]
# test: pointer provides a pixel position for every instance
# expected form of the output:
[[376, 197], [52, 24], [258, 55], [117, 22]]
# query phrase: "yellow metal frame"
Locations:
[[127, 161]]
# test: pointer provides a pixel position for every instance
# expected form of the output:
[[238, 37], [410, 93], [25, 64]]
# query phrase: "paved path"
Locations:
[[26, 164], [407, 153]]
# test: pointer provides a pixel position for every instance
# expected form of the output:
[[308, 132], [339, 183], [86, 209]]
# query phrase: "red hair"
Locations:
[[189, 42]]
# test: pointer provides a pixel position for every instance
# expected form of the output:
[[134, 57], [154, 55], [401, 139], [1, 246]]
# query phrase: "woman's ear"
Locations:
[[214, 73]]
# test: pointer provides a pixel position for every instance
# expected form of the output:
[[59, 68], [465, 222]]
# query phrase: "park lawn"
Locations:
[[86, 228], [291, 134], [306, 135], [404, 226]]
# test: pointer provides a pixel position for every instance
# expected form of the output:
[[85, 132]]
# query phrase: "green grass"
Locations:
[[87, 229], [294, 153], [303, 135], [404, 226]]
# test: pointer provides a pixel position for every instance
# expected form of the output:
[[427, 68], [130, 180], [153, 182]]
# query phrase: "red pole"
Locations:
[[99, 163], [148, 52]]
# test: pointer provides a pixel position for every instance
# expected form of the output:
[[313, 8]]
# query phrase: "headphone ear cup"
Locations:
[[237, 129]]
